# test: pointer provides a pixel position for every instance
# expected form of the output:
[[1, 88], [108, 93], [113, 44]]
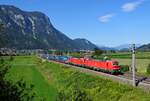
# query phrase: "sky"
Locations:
[[103, 22]]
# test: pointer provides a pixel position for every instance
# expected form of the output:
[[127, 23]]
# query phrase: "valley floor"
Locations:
[[56, 82]]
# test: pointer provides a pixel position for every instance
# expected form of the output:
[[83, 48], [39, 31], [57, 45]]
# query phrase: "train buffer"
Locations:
[[140, 80]]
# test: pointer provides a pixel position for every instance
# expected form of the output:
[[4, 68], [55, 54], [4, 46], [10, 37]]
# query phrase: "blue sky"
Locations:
[[103, 22]]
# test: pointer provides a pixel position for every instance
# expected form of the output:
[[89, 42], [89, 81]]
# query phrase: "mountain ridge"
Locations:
[[32, 30], [81, 42], [145, 47], [120, 47]]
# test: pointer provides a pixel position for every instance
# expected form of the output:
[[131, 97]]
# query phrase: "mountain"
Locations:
[[106, 48], [84, 44], [145, 47], [122, 46], [31, 30], [125, 46]]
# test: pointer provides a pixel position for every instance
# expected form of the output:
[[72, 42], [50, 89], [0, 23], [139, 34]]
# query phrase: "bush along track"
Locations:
[[73, 85]]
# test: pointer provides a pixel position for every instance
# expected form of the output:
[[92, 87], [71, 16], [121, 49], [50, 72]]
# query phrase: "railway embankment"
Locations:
[[123, 79]]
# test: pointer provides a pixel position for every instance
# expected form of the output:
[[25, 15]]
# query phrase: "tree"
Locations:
[[2, 30], [1, 27], [13, 91], [148, 69], [58, 52], [112, 51], [98, 52], [106, 58], [11, 58]]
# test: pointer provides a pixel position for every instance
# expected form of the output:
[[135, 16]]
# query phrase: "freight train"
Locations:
[[109, 66]]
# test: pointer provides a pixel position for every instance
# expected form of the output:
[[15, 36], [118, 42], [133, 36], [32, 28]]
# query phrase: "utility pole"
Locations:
[[133, 63]]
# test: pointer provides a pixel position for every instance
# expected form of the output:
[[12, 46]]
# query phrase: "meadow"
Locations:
[[124, 58], [142, 60], [118, 55], [24, 67], [141, 64], [127, 55], [55, 82]]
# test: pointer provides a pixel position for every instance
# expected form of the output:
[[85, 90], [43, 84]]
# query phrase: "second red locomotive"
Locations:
[[106, 66]]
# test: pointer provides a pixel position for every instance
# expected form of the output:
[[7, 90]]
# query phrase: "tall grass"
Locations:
[[57, 82], [25, 67], [72, 84]]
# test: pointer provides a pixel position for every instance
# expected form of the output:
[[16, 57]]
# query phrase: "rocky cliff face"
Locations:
[[31, 30]]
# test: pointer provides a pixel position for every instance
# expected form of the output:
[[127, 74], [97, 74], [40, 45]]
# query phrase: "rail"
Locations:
[[124, 79]]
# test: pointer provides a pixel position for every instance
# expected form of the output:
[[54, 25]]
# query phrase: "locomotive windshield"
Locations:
[[115, 63]]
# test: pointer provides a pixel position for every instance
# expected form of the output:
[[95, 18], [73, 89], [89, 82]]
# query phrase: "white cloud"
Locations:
[[106, 18], [131, 6]]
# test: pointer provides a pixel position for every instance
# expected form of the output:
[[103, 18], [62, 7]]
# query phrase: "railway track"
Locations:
[[138, 77], [125, 78]]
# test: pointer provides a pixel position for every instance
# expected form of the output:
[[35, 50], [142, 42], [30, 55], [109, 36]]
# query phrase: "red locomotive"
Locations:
[[106, 66]]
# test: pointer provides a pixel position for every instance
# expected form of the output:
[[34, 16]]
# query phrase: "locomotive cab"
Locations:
[[115, 63], [116, 67]]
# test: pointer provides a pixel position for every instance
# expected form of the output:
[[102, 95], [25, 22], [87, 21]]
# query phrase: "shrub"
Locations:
[[9, 91], [124, 68], [11, 58], [73, 94], [148, 69]]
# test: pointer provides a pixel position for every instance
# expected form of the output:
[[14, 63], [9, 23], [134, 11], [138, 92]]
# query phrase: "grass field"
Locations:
[[24, 67], [141, 64], [124, 58], [127, 55], [119, 55], [53, 81]]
